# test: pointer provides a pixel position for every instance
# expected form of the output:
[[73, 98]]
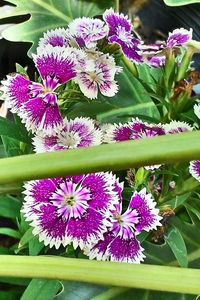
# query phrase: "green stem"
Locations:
[[184, 64], [117, 6], [107, 273], [163, 149], [130, 66]]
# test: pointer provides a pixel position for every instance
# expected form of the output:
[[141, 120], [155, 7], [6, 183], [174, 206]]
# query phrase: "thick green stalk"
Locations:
[[164, 149], [151, 277]]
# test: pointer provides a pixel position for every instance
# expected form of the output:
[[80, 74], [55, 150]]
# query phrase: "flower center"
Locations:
[[69, 139], [71, 200]]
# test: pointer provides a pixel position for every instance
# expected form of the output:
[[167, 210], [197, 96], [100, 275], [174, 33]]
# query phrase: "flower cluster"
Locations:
[[87, 211]]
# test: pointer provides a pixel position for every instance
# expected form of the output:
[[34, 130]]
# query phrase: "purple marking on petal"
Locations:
[[101, 185], [145, 206], [99, 249], [116, 20], [129, 250], [51, 228], [16, 91], [194, 169], [176, 127], [86, 230], [122, 133], [55, 37], [129, 47], [58, 62], [38, 115], [42, 189], [143, 130], [179, 37], [89, 29], [156, 61]]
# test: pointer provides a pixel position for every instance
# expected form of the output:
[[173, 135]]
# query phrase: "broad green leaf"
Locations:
[[9, 207], [48, 14], [10, 232], [12, 130], [176, 243], [180, 2], [41, 289], [79, 291], [177, 201]]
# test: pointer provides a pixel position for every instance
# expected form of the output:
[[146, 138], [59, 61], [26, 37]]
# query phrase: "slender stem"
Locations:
[[106, 273], [163, 149], [130, 66], [113, 292], [117, 6], [184, 64]]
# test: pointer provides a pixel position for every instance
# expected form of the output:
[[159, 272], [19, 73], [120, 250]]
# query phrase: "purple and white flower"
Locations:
[[177, 127], [36, 103], [197, 110], [70, 209], [77, 133], [135, 129], [179, 37], [120, 243], [89, 29], [194, 169], [97, 74], [120, 33]]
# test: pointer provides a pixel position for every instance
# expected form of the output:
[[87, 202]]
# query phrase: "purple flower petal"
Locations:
[[102, 187], [50, 228], [116, 20], [116, 249], [148, 215], [125, 250], [54, 37], [98, 72], [194, 169], [87, 230], [179, 37], [129, 46], [176, 127], [56, 62], [88, 29], [16, 91], [38, 115], [156, 61]]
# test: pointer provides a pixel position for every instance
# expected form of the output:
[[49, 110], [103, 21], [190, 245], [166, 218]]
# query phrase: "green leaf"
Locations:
[[76, 290], [12, 130], [48, 14], [9, 207], [180, 2], [9, 295], [163, 149], [175, 241], [41, 289], [147, 295], [35, 246], [10, 232]]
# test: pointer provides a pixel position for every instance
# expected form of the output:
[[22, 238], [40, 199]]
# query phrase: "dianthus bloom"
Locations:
[[97, 74], [194, 169], [71, 209], [36, 103], [120, 241], [77, 133], [177, 127], [120, 32]]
